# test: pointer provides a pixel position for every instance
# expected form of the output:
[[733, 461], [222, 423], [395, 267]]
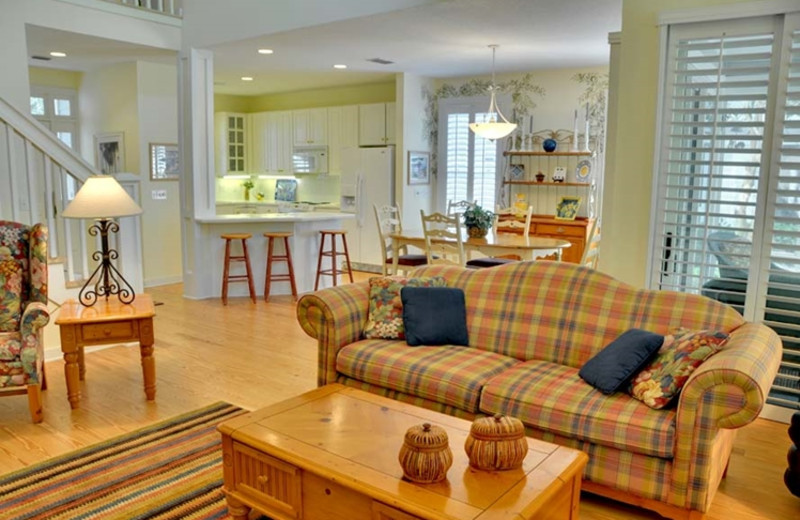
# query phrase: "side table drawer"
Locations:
[[272, 483], [109, 330]]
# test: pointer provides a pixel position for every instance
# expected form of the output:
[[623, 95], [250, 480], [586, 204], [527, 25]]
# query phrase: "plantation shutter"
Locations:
[[727, 215], [467, 162], [782, 306]]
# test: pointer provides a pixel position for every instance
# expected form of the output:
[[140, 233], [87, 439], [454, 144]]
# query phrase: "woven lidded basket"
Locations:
[[496, 443], [425, 455]]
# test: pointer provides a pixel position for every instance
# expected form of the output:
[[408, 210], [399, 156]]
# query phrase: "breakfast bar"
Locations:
[[204, 278]]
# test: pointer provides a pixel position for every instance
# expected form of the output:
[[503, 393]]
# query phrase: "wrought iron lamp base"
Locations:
[[105, 280]]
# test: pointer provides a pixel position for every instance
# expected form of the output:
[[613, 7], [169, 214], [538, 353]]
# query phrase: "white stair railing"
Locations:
[[40, 169], [169, 7]]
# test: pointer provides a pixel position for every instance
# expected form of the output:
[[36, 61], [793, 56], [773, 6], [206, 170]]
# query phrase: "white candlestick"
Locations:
[[586, 137], [575, 132]]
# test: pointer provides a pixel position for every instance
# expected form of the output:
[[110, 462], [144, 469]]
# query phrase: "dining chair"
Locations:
[[390, 221], [443, 241], [591, 253], [506, 220], [459, 207]]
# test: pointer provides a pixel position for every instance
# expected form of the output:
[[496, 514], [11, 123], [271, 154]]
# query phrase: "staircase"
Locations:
[[39, 175]]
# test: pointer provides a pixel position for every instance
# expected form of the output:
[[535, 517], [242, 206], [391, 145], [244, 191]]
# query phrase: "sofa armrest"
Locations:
[[34, 318], [335, 317], [727, 391]]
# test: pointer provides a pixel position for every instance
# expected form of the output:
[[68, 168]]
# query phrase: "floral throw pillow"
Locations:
[[10, 294], [385, 320], [682, 352]]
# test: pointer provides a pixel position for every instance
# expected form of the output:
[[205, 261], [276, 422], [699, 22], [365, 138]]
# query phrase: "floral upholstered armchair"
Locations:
[[23, 311]]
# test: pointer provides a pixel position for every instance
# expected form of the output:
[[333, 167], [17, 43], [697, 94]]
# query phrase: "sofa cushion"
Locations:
[[434, 316], [612, 368], [662, 379], [446, 374], [385, 319], [553, 398], [10, 346], [10, 294]]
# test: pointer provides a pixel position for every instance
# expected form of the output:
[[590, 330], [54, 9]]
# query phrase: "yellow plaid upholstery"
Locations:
[[553, 398], [540, 322]]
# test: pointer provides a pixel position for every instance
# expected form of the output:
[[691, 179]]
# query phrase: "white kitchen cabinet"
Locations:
[[310, 126], [342, 133], [376, 124], [271, 149], [230, 142]]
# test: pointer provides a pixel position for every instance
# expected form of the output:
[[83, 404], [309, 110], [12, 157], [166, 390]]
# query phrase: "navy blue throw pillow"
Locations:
[[434, 316], [611, 368]]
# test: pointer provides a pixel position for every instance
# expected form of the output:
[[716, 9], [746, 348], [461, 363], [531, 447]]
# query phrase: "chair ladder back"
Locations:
[[444, 243]]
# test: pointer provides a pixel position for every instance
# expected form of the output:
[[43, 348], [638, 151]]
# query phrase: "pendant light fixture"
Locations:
[[493, 129]]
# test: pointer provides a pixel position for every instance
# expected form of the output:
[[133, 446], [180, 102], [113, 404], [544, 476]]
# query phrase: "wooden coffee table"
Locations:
[[332, 454]]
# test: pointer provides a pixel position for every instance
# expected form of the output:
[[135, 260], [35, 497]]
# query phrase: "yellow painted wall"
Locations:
[[231, 103], [626, 220], [55, 78], [324, 97]]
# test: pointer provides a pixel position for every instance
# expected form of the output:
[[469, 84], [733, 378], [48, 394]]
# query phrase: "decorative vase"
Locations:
[[496, 443], [425, 455], [549, 145], [476, 232], [247, 194], [540, 177]]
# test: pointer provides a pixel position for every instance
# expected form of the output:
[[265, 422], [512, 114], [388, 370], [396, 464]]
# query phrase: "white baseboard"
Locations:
[[169, 280]]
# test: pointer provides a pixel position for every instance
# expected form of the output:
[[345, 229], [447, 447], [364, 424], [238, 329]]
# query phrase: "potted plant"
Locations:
[[478, 221], [248, 185]]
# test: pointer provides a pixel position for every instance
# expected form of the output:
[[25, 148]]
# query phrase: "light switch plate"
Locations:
[[159, 194]]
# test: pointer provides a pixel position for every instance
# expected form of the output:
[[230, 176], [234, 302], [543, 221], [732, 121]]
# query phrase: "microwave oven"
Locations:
[[310, 160]]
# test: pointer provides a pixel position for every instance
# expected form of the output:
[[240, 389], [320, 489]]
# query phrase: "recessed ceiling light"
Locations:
[[340, 66], [247, 78], [265, 51], [57, 54]]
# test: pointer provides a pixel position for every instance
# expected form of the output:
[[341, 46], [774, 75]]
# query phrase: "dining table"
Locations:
[[493, 244]]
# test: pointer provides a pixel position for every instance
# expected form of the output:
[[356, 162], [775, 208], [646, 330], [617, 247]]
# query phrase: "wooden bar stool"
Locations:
[[332, 253], [226, 276], [271, 257]]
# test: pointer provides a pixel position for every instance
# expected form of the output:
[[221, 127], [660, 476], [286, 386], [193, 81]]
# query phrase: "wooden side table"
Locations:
[[106, 322]]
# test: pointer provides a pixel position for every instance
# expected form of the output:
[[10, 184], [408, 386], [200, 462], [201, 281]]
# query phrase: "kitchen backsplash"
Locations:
[[322, 188]]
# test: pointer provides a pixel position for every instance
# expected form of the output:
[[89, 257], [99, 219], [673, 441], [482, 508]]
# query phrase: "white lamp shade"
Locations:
[[492, 130], [101, 196]]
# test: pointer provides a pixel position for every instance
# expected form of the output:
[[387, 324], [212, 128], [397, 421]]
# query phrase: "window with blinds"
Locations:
[[727, 220], [469, 162]]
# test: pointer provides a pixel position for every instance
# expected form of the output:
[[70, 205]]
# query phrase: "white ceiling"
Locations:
[[444, 39]]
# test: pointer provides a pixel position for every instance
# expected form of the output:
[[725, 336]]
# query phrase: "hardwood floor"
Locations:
[[253, 355]]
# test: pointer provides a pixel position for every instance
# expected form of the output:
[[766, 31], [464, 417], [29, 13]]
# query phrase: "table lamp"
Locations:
[[102, 198]]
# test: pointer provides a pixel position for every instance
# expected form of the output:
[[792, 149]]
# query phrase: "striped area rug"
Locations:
[[171, 470]]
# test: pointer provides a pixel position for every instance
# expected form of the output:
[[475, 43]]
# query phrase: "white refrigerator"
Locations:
[[367, 178]]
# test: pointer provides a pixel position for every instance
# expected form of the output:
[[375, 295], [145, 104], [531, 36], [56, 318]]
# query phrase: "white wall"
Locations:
[[208, 22], [411, 137], [14, 83], [158, 123]]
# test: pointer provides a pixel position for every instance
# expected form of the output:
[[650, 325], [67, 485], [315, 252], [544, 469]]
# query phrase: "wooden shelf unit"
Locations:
[[552, 154], [550, 183]]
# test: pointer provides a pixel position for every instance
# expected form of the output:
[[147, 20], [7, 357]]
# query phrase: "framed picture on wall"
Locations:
[[109, 152], [164, 162], [419, 168]]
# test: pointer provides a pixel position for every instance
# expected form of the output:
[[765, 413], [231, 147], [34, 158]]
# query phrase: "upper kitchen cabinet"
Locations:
[[342, 133], [271, 150], [376, 124], [310, 126], [230, 138]]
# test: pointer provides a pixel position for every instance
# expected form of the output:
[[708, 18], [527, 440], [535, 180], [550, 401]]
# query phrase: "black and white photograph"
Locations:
[[109, 152]]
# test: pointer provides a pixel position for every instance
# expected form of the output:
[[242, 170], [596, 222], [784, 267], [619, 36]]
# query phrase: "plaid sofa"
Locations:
[[532, 325]]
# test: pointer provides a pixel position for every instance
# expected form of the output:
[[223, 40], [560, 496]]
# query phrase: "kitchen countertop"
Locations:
[[298, 216]]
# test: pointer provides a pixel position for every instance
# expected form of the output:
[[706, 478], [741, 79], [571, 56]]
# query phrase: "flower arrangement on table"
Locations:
[[478, 221]]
